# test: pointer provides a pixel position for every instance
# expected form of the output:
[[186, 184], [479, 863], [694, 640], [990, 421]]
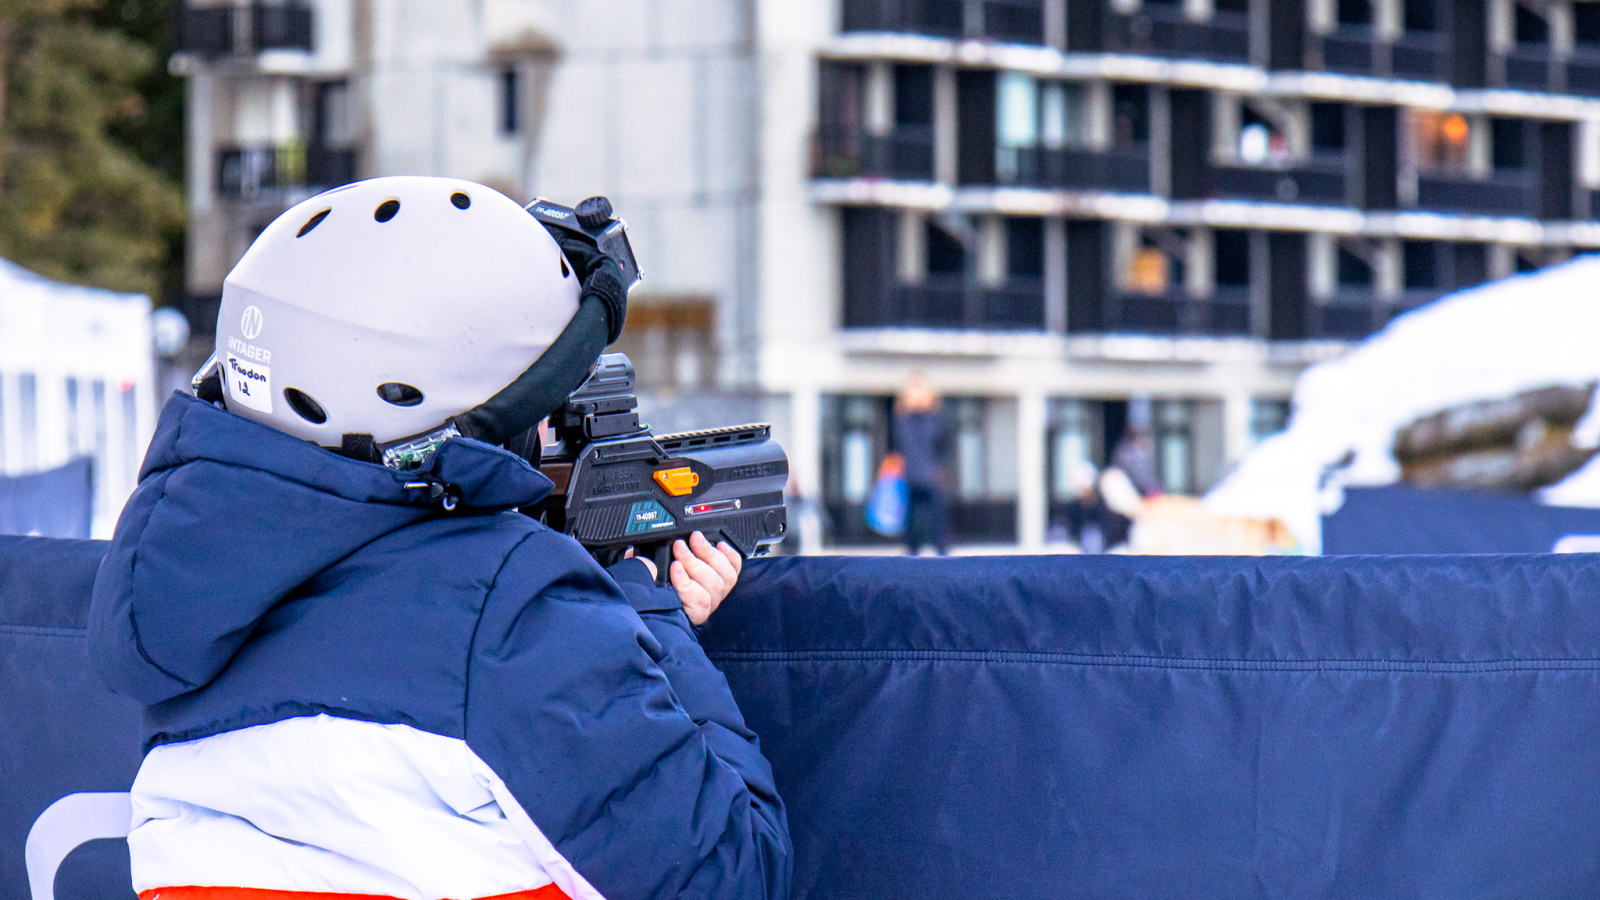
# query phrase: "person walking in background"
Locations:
[[923, 439]]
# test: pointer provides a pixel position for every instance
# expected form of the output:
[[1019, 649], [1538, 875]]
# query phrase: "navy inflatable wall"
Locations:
[[1062, 727], [1403, 519]]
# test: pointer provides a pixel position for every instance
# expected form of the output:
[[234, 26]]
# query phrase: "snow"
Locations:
[[1495, 340]]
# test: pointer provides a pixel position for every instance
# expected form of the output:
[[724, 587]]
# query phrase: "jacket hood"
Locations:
[[231, 516]]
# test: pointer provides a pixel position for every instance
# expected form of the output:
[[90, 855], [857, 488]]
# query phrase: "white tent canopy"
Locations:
[[1524, 332], [76, 379]]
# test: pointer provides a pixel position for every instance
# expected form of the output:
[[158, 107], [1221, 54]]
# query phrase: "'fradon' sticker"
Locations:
[[250, 383]]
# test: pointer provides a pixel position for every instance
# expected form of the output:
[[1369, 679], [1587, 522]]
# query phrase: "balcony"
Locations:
[[1014, 21], [205, 30], [939, 18], [1583, 71], [1350, 50], [1156, 31], [1528, 69], [1176, 313], [1502, 194], [267, 173], [905, 154], [327, 167], [216, 30], [280, 26], [1352, 314], [946, 301], [1123, 170], [1319, 184], [1421, 56]]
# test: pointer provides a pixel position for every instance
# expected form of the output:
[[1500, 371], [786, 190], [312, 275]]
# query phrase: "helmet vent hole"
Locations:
[[399, 394], [461, 200], [386, 210], [305, 407], [311, 223], [564, 270]]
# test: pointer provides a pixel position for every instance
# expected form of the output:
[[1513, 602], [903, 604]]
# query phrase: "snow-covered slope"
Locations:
[[1490, 341]]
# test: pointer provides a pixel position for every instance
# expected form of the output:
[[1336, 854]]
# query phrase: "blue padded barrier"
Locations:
[[1065, 727]]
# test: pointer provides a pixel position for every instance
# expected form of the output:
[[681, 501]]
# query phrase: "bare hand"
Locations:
[[703, 575]]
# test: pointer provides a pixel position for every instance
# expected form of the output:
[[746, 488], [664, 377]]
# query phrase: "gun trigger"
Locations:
[[677, 482]]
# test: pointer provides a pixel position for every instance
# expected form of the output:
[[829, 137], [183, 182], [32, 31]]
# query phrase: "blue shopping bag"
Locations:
[[886, 508]]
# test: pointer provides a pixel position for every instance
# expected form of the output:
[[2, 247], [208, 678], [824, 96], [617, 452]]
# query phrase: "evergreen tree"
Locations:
[[83, 197]]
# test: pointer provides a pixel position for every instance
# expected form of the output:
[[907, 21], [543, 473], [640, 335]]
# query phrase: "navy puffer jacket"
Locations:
[[256, 579]]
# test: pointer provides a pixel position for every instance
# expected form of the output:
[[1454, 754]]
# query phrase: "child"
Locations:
[[366, 673]]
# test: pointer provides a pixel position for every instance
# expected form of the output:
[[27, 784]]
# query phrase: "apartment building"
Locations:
[[1179, 204], [1067, 213]]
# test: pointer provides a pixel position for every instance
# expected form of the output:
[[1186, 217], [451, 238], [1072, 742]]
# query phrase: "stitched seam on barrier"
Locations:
[[1157, 662], [43, 630]]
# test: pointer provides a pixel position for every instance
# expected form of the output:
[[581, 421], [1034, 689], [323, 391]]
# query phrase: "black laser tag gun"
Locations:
[[593, 221], [619, 486]]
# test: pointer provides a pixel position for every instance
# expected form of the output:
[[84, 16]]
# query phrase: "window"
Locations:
[[1586, 24], [1440, 141], [1421, 15], [1531, 27], [1174, 444], [1267, 418], [1261, 143], [1075, 444], [1155, 264], [28, 408], [1231, 262], [1355, 12], [946, 253], [1353, 271], [74, 435], [913, 95], [510, 109], [1507, 139], [1130, 114], [1420, 260], [1024, 248], [1327, 128]]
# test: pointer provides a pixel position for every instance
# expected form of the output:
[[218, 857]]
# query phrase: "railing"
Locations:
[[1176, 313], [210, 31], [207, 30], [906, 153], [946, 301], [281, 26], [1167, 32], [330, 168], [1349, 49], [1323, 185], [1502, 194], [248, 173], [940, 18], [1421, 56], [1122, 170], [1528, 69], [1583, 71], [1351, 315], [1014, 21]]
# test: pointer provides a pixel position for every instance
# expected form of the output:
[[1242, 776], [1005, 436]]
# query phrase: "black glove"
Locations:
[[601, 277]]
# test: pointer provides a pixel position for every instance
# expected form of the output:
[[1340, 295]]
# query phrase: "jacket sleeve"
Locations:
[[616, 734]]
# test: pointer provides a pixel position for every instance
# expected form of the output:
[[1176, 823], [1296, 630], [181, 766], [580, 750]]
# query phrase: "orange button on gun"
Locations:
[[677, 482]]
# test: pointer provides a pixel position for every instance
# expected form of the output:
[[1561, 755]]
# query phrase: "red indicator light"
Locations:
[[700, 509]]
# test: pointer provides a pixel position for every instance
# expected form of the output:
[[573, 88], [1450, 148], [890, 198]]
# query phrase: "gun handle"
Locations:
[[661, 555]]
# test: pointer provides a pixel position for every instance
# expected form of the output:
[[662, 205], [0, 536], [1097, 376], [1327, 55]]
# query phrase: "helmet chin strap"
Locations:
[[518, 407], [546, 384]]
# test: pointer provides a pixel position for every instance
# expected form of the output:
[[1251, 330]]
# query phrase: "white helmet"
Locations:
[[387, 307]]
